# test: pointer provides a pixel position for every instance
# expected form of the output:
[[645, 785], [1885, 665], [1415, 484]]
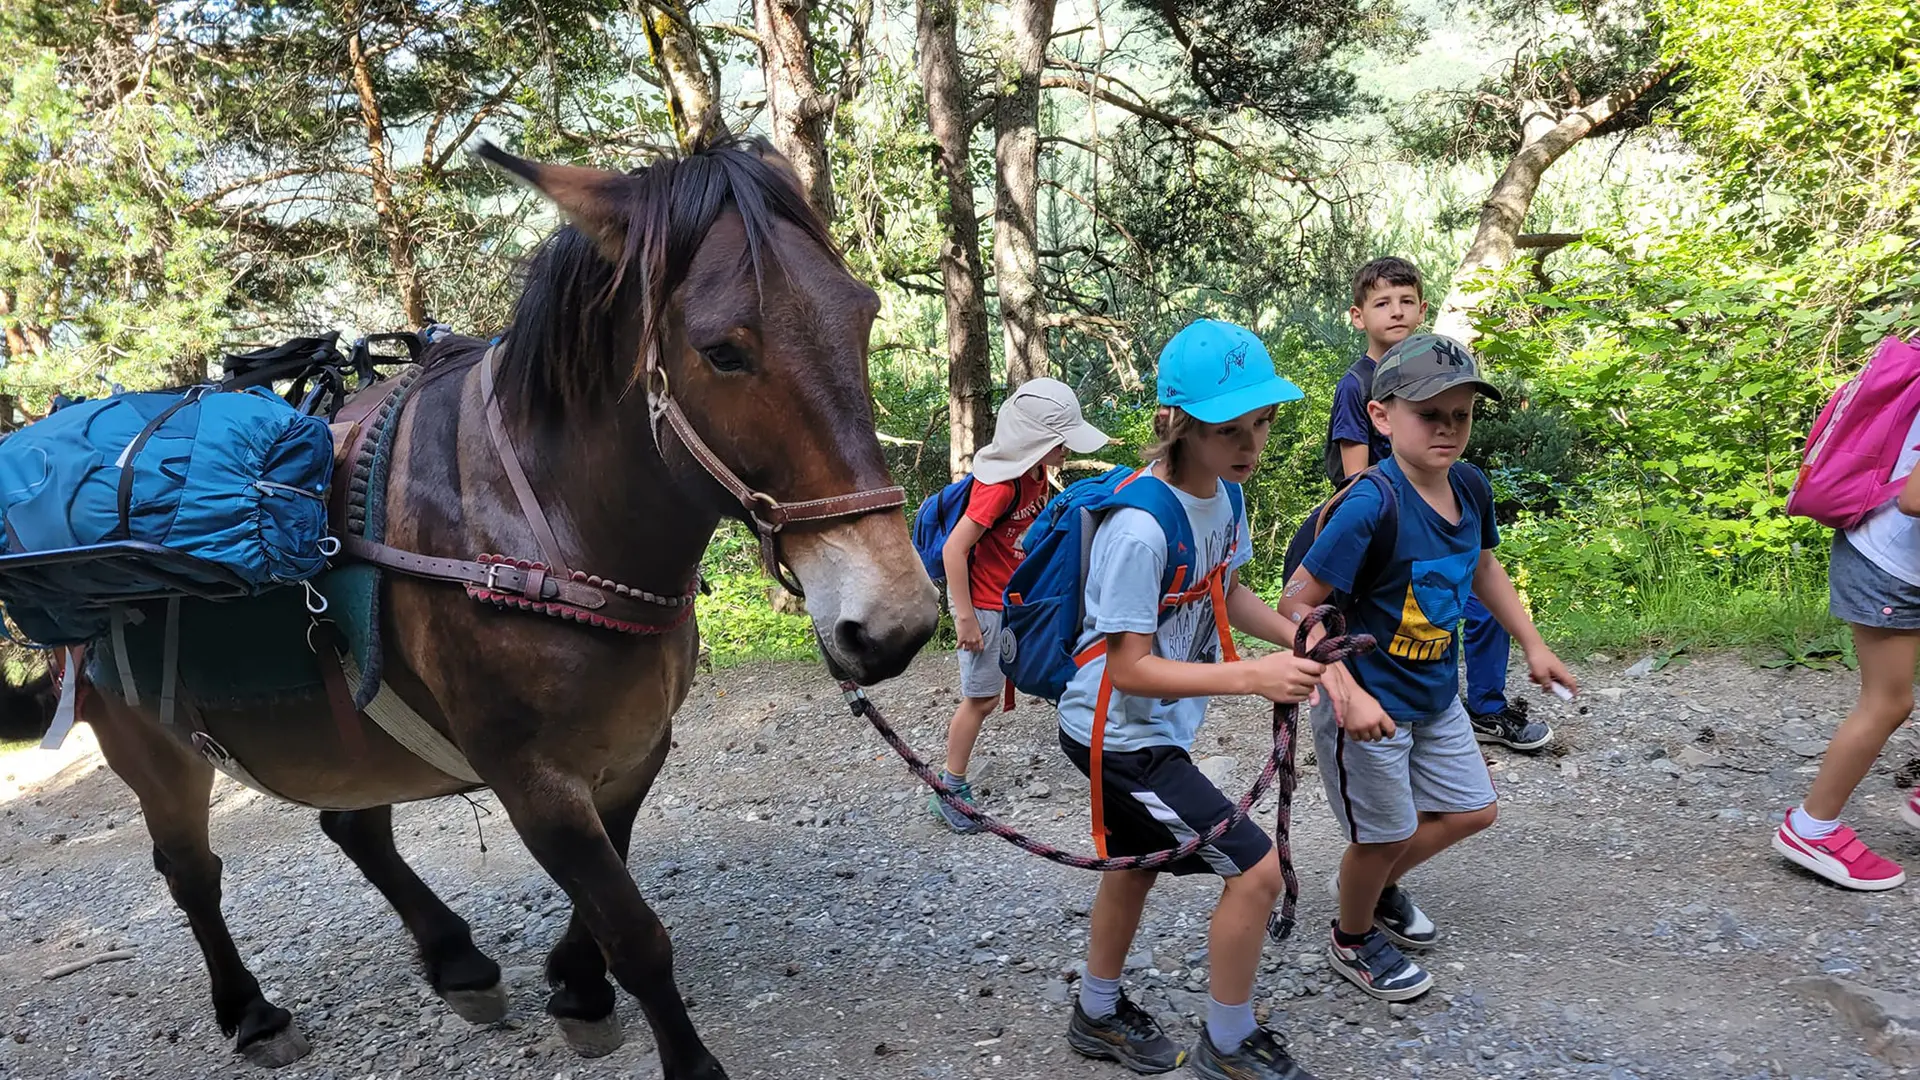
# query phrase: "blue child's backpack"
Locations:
[[935, 521], [1043, 603]]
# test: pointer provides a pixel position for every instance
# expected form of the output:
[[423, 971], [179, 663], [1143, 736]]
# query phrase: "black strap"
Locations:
[[127, 456]]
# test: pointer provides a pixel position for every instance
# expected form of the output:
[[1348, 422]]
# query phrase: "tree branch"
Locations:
[[439, 164], [217, 194], [1549, 242], [1147, 112]]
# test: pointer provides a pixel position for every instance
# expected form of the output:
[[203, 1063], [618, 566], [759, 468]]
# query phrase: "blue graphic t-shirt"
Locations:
[[1415, 607]]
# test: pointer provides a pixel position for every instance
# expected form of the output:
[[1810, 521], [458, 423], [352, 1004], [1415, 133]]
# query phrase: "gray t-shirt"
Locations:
[[1123, 596]]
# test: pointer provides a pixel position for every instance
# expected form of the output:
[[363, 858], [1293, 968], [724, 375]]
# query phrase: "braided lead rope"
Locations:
[[1333, 648]]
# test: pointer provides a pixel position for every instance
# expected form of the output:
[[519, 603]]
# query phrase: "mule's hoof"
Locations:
[[593, 1038], [283, 1047], [487, 1006]]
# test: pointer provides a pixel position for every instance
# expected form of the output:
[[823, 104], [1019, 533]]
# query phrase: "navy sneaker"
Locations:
[[1379, 968], [1129, 1036], [1510, 727], [1262, 1057]]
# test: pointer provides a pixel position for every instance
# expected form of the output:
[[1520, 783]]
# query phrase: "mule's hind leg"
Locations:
[[462, 975], [173, 786]]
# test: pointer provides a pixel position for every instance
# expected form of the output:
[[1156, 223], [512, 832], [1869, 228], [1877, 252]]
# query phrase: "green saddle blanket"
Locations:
[[239, 652]]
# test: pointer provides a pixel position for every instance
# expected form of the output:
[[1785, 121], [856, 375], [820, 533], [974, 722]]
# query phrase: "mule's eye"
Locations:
[[726, 356]]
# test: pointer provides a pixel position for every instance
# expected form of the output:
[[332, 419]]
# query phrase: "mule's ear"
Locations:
[[595, 200]]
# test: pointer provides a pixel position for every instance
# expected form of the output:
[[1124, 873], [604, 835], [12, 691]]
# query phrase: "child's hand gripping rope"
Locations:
[[1332, 649]]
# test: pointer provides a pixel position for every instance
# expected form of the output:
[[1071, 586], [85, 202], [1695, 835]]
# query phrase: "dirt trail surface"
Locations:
[[1625, 918]]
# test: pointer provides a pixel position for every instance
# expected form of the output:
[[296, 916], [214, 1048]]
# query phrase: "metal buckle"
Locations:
[[773, 505], [493, 573]]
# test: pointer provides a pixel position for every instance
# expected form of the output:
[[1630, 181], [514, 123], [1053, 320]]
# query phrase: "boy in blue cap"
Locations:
[[1149, 690]]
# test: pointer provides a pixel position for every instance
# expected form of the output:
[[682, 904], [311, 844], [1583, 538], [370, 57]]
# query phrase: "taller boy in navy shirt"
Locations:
[[1388, 305]]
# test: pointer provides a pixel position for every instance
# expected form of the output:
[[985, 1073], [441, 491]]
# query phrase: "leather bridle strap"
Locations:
[[516, 476], [767, 515]]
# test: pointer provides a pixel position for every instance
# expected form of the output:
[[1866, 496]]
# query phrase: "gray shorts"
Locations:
[[1378, 790], [1861, 593], [980, 675]]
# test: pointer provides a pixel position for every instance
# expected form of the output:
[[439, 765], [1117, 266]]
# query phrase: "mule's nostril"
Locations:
[[852, 637]]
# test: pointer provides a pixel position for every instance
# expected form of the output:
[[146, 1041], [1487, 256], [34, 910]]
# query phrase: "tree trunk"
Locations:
[[1016, 156], [1547, 132], [800, 111], [693, 106], [962, 275], [16, 341], [392, 219]]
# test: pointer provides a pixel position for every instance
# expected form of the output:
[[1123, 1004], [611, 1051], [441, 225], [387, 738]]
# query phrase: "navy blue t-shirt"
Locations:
[[1350, 423], [1415, 607]]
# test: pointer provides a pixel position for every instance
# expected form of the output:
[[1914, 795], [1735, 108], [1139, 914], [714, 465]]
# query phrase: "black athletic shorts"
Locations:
[[1158, 798]]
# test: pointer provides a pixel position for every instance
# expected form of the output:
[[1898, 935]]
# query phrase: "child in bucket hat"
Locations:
[[1032, 433]]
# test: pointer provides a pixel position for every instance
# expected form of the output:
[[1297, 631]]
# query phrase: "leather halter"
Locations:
[[766, 515]]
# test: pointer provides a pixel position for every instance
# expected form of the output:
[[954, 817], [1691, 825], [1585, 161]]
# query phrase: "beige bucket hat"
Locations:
[[1034, 419]]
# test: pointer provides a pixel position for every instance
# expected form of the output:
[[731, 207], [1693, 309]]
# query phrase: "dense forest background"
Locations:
[[1671, 228]]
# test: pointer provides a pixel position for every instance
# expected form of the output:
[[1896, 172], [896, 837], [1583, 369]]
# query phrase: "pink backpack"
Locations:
[[1854, 446]]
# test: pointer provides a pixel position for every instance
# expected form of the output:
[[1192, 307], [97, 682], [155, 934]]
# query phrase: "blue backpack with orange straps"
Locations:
[[1043, 605]]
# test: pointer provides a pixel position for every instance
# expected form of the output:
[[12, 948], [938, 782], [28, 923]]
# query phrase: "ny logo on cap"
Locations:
[[1450, 353], [1236, 358]]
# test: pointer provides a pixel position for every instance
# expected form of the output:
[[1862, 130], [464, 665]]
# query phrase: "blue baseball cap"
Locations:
[[1216, 371]]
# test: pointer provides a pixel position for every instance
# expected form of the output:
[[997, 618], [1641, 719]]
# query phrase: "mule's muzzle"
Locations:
[[868, 653]]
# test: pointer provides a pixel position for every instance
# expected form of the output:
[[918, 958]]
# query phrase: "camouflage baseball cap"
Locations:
[[1427, 364]]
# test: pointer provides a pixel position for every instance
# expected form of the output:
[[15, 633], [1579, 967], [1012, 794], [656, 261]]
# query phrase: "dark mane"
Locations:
[[579, 326]]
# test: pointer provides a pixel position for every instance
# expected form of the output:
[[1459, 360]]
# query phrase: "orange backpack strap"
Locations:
[[1095, 753]]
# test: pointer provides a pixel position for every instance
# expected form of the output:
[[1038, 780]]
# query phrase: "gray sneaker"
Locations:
[[1511, 727], [1397, 916], [954, 819], [1129, 1036], [1262, 1057]]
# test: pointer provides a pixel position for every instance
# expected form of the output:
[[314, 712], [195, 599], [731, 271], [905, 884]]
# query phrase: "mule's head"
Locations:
[[717, 261]]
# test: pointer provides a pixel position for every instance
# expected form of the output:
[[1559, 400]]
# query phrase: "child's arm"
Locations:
[[1910, 495], [1496, 592], [966, 622], [1353, 457], [1135, 671], [1249, 614], [1356, 710]]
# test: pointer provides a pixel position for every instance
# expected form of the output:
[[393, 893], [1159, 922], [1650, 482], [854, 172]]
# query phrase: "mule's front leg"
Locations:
[[555, 816]]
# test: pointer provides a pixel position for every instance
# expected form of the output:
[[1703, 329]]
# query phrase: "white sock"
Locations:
[[1810, 827]]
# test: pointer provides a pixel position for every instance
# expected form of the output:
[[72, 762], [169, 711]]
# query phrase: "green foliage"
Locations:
[[736, 621], [102, 270]]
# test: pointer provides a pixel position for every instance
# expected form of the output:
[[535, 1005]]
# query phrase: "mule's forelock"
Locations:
[[632, 240]]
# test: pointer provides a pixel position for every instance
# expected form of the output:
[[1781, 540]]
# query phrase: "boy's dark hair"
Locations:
[[1389, 270]]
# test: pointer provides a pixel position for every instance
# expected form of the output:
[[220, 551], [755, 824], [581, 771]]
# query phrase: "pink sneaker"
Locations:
[[1910, 810], [1840, 858]]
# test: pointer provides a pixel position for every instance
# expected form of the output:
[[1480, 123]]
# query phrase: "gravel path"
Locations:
[[1625, 919]]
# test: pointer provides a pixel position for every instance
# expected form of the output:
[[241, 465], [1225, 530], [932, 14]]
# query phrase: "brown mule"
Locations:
[[716, 261]]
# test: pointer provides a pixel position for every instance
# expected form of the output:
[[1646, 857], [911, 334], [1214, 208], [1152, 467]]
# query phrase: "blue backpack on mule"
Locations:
[[1044, 600]]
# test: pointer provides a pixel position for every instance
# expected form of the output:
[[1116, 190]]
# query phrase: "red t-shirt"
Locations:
[[998, 553]]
